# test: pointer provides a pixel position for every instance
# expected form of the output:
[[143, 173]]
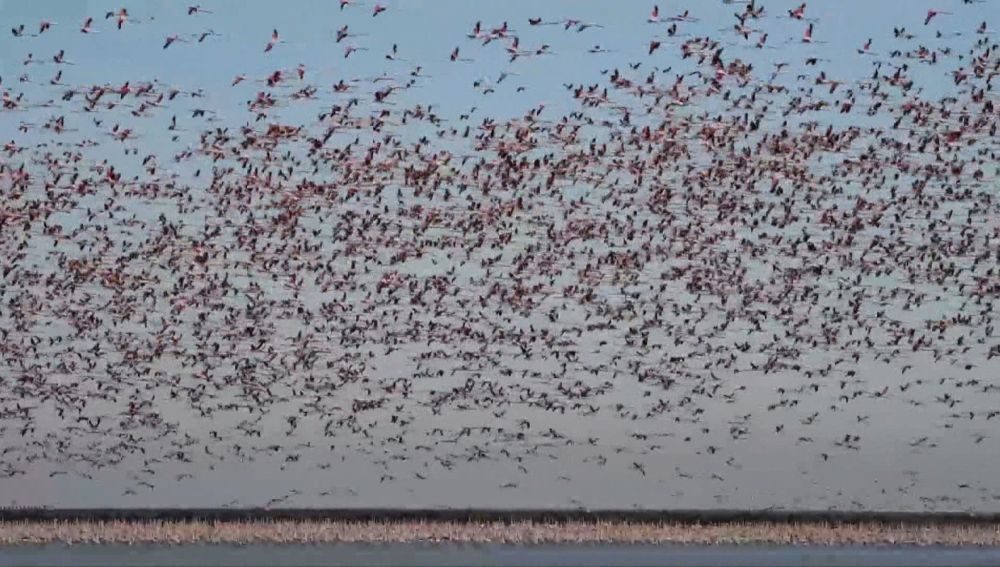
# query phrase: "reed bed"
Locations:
[[523, 532]]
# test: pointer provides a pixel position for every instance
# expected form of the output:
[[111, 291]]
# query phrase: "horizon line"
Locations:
[[550, 515]]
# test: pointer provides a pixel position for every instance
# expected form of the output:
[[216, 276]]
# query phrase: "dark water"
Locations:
[[475, 555]]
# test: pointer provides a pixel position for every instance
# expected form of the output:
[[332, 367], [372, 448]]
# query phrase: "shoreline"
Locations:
[[517, 532]]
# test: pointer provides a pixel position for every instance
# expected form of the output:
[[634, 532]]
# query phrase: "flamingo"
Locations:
[[932, 13], [684, 17], [125, 89], [122, 17], [275, 39], [275, 78], [86, 28], [513, 47], [205, 34], [653, 46], [807, 37], [192, 10], [866, 48], [379, 8], [351, 49], [44, 26], [498, 32], [171, 39], [798, 13], [654, 17], [393, 56], [454, 56], [59, 58], [504, 75], [585, 25]]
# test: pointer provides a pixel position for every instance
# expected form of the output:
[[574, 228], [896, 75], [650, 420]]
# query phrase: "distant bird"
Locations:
[[275, 40], [932, 13], [120, 17], [171, 39]]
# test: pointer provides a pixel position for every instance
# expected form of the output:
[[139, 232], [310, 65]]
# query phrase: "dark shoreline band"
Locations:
[[495, 515]]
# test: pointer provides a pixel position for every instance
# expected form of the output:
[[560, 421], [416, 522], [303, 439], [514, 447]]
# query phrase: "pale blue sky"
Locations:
[[426, 31]]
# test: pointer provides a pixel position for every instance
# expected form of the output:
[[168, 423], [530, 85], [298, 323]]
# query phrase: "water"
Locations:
[[445, 555]]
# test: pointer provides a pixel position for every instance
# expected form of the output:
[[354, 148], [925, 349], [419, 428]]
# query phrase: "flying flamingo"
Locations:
[[394, 55], [86, 28], [932, 13], [685, 17], [379, 8], [343, 34], [192, 10], [275, 39], [171, 39], [654, 17], [798, 13], [866, 48], [500, 31], [122, 17], [44, 26], [807, 37], [351, 49], [454, 56], [205, 34], [59, 58], [584, 25]]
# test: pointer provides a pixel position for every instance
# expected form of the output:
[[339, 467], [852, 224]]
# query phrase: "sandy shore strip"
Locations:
[[520, 532]]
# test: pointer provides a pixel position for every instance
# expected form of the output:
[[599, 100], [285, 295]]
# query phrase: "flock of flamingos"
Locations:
[[348, 271]]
